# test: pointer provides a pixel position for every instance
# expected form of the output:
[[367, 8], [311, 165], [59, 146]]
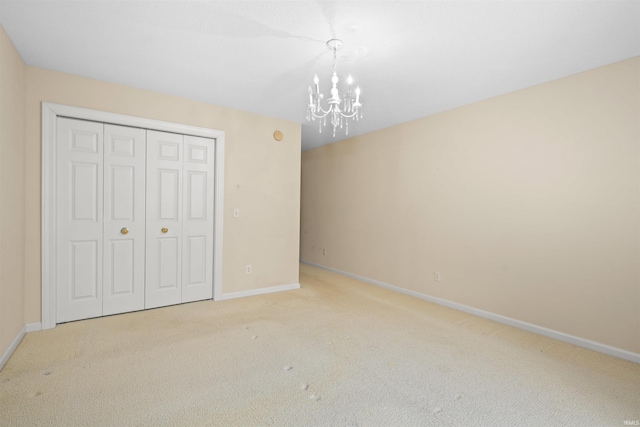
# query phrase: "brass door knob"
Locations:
[[124, 230], [164, 229]]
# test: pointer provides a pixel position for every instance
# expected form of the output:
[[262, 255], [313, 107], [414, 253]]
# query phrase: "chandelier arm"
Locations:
[[319, 116], [349, 116], [324, 114]]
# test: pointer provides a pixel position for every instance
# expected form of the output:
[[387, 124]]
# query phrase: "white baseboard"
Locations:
[[592, 345], [14, 344], [34, 327], [29, 327], [260, 291]]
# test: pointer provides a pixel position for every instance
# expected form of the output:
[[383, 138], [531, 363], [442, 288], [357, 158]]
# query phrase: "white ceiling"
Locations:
[[411, 58]]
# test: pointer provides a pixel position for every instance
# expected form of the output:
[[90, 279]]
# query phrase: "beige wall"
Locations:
[[262, 176], [527, 203], [12, 119]]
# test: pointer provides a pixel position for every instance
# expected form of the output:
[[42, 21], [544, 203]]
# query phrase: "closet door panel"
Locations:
[[164, 219], [197, 250], [168, 266], [124, 219], [79, 218]]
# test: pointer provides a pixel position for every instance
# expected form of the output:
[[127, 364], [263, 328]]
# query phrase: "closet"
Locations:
[[134, 213]]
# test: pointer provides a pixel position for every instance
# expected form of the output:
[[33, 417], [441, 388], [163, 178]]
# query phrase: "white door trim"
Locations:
[[50, 112]]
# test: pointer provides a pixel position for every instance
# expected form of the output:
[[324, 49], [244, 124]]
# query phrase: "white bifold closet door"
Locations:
[[198, 219], [179, 219], [124, 219], [79, 242], [101, 219], [134, 219]]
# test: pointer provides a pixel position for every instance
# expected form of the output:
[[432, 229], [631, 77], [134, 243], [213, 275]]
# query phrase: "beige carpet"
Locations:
[[337, 352]]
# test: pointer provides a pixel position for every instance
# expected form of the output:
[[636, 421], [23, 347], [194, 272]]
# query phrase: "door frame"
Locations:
[[50, 112]]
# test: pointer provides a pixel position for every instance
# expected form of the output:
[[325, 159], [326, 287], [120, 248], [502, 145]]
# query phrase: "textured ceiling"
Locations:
[[411, 58]]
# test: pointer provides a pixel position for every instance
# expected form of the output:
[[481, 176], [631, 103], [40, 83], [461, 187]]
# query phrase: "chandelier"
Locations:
[[339, 111]]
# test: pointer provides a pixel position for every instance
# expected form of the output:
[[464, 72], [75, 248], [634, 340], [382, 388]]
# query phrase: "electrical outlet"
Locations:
[[247, 269], [437, 276], [236, 212], [324, 251]]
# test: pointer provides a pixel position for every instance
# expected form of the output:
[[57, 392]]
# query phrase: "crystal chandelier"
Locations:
[[339, 110]]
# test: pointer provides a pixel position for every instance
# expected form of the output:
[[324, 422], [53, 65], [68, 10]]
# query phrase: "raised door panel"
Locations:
[[79, 219], [198, 225], [164, 219], [124, 219]]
